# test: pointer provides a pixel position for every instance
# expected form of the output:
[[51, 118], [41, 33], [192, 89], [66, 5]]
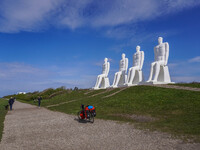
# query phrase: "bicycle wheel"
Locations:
[[91, 117], [79, 116]]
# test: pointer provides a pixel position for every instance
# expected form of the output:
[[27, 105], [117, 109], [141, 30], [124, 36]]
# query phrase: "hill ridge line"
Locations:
[[175, 87]]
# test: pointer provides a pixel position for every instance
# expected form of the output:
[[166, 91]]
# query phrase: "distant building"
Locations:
[[21, 93]]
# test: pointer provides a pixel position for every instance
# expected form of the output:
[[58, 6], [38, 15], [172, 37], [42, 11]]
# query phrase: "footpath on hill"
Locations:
[[176, 87], [29, 127], [124, 88]]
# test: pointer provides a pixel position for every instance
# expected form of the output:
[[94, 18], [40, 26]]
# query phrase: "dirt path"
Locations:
[[176, 87], [30, 128], [121, 89], [63, 103], [108, 90]]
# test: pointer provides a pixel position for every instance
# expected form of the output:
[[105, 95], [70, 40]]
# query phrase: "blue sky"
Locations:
[[52, 43]]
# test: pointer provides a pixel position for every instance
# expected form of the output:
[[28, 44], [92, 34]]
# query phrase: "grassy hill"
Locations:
[[168, 110], [193, 84], [3, 112]]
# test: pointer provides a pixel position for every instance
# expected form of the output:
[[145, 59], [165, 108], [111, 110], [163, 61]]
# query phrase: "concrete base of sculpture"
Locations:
[[163, 77], [138, 78], [104, 84]]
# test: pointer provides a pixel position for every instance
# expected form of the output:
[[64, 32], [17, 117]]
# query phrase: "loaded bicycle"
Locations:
[[87, 113]]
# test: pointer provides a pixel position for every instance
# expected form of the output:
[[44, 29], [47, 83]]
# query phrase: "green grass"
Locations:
[[193, 84], [174, 111], [68, 96], [2, 115]]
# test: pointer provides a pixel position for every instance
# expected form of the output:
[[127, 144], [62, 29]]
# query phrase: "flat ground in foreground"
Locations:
[[29, 127]]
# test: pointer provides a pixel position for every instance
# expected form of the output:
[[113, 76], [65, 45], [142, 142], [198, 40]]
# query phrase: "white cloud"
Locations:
[[26, 15], [195, 59], [35, 15], [15, 77], [175, 5], [20, 71]]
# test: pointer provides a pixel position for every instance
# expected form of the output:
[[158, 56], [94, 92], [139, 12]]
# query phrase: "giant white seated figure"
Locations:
[[135, 75], [121, 76], [159, 73], [102, 79]]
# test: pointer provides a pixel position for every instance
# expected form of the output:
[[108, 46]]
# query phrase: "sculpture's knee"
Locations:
[[152, 64], [116, 73], [133, 70], [157, 65]]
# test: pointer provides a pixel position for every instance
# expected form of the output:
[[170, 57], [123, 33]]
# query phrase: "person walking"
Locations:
[[39, 101], [11, 101]]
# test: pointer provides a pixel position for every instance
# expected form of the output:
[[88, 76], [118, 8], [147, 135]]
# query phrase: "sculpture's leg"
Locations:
[[151, 72], [157, 70], [132, 75], [114, 80], [129, 74], [99, 81], [117, 78]]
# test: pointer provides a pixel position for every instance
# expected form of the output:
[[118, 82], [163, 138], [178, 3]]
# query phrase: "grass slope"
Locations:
[[169, 110], [174, 111], [193, 84], [2, 115]]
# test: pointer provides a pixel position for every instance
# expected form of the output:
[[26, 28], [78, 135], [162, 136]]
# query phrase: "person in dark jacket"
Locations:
[[39, 101], [11, 101]]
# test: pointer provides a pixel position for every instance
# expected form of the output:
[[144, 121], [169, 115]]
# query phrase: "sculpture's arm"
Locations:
[[126, 65], [166, 53], [141, 60], [102, 68], [120, 65], [155, 54], [108, 69]]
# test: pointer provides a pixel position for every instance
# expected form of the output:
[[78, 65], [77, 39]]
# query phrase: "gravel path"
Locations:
[[30, 128]]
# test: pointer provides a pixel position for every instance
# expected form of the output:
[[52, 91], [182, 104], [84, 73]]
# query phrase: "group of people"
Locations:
[[13, 99]]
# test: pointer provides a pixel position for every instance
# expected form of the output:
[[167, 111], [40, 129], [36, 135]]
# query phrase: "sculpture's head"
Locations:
[[106, 59], [137, 48], [123, 56], [160, 40]]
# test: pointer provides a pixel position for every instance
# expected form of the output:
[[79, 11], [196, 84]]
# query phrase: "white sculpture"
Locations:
[[135, 74], [21, 93], [102, 79], [159, 68], [120, 76]]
